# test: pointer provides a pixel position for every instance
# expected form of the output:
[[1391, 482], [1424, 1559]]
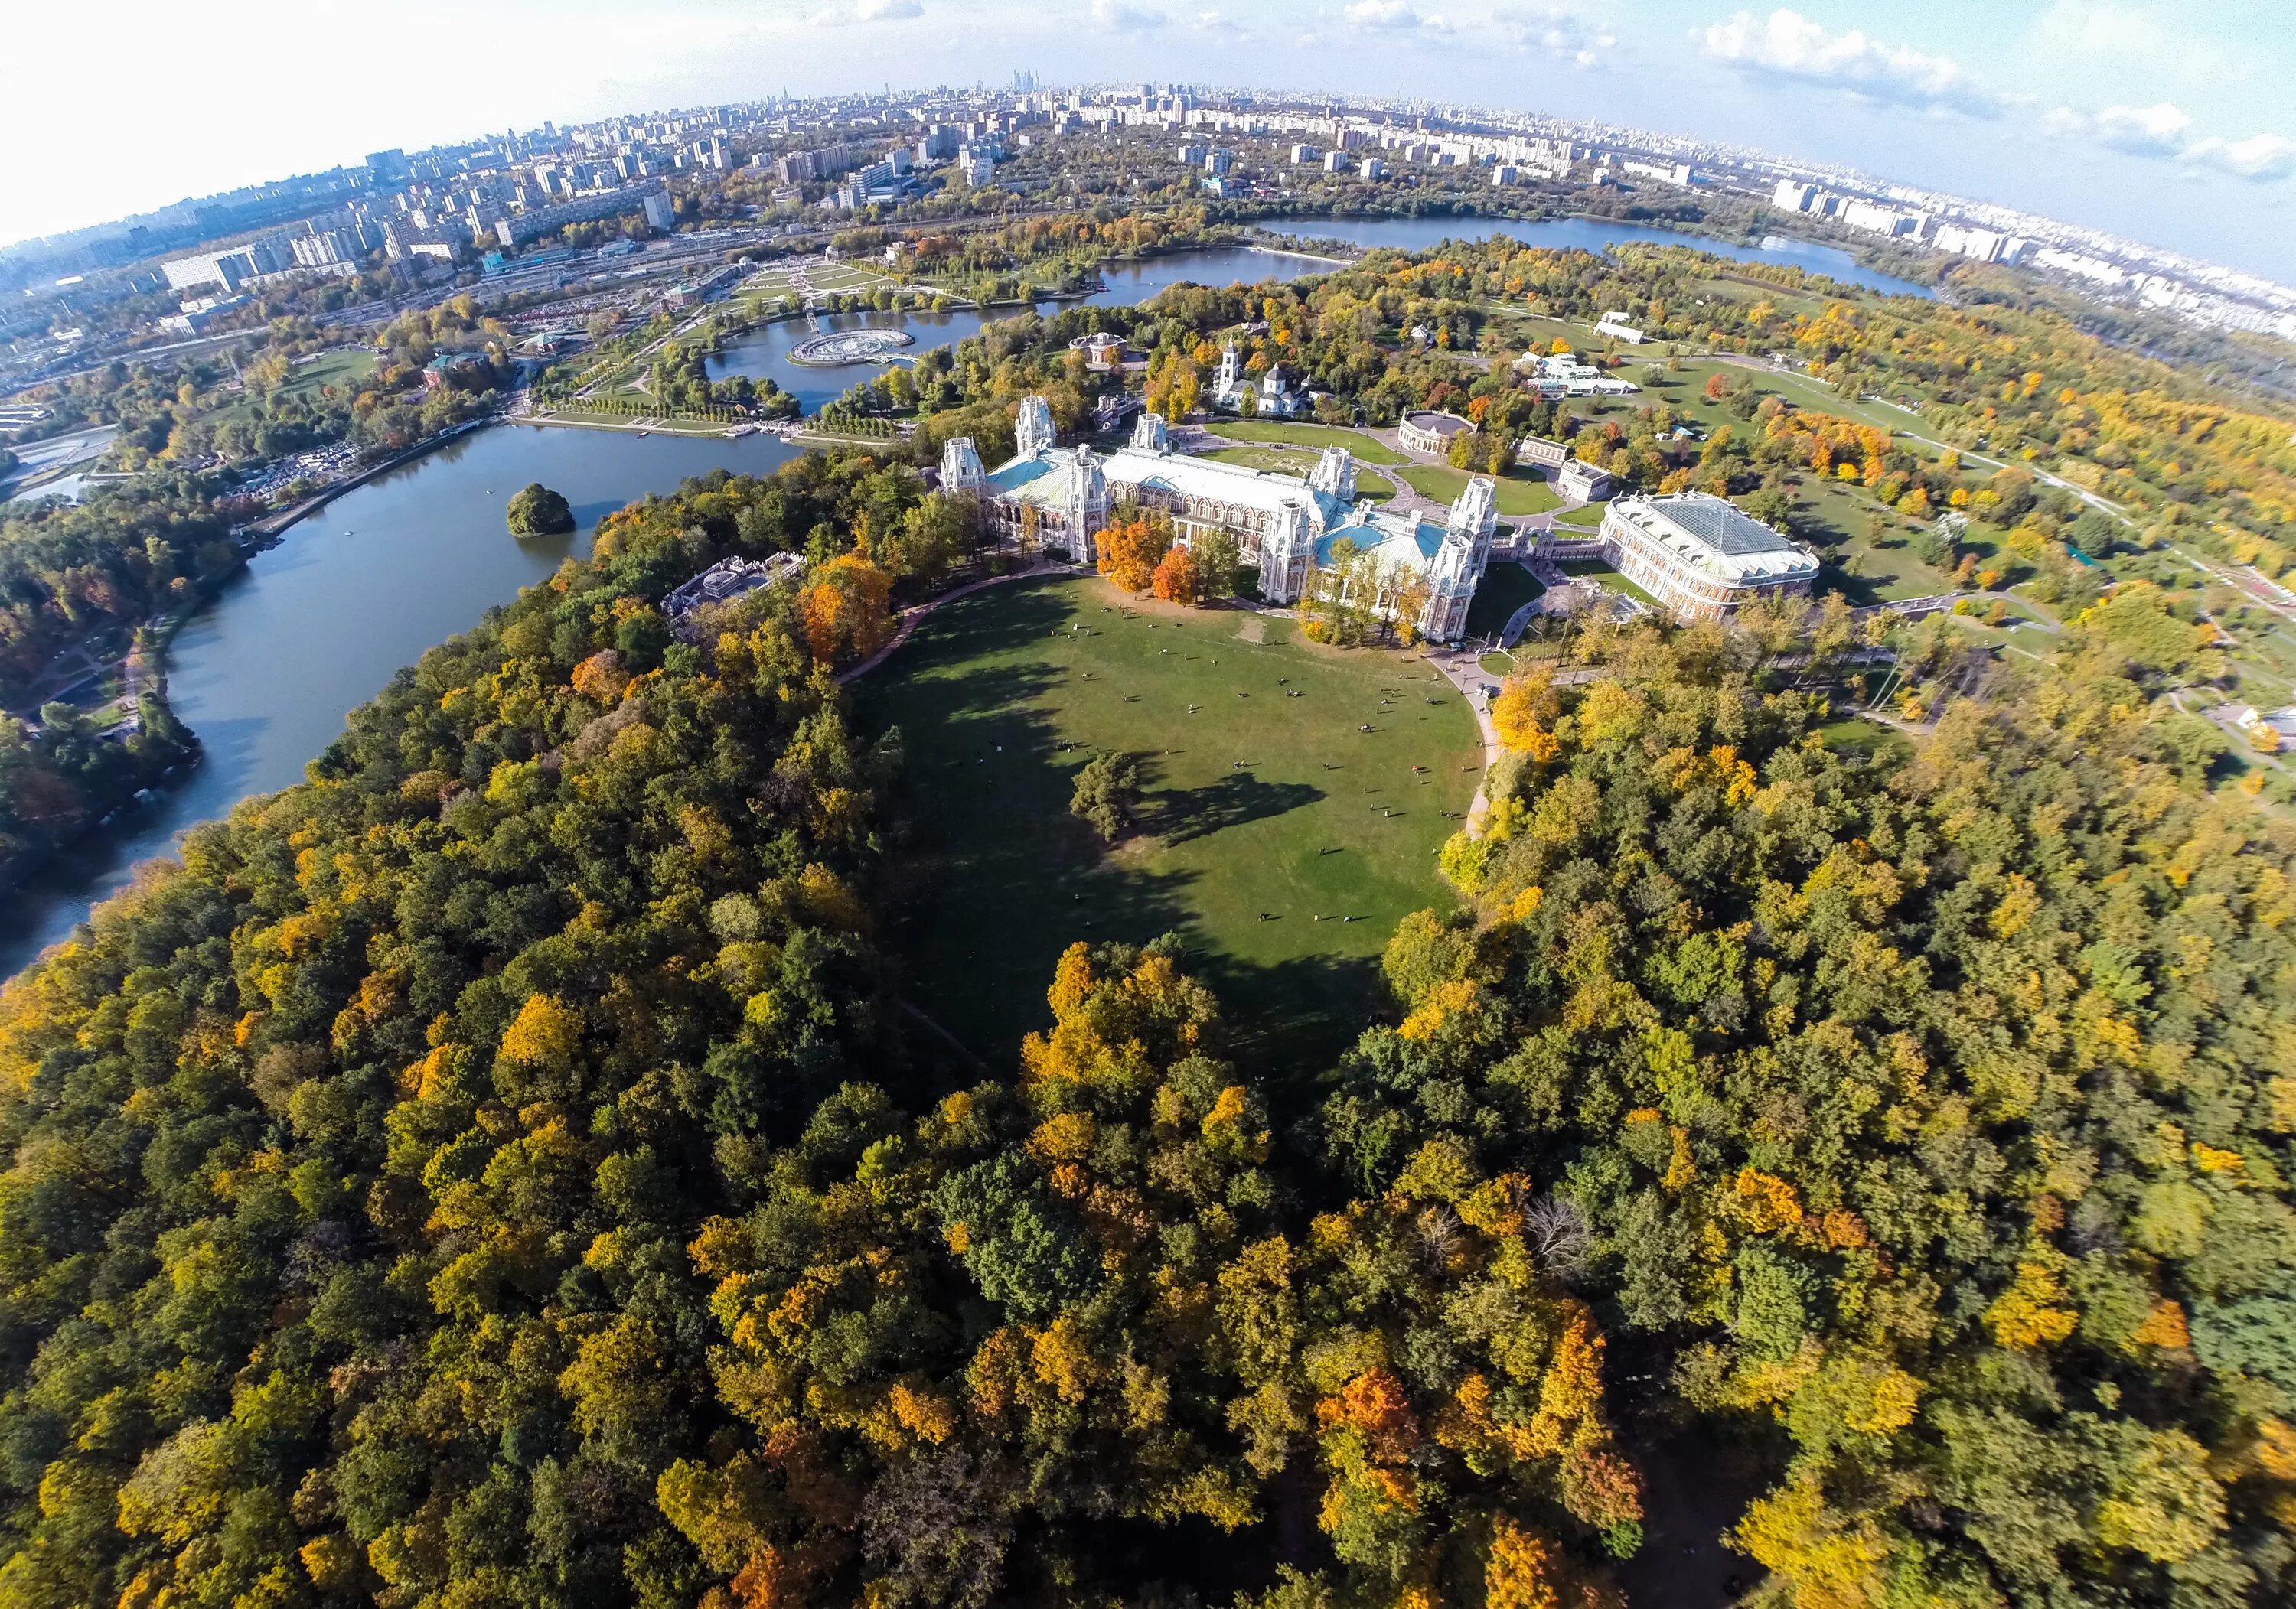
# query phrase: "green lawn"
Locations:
[[1586, 514], [1366, 449], [1595, 569], [342, 370], [629, 421], [1863, 737], [1506, 586], [1686, 391], [1520, 492], [843, 276], [1840, 518], [345, 371], [1369, 483], [992, 691]]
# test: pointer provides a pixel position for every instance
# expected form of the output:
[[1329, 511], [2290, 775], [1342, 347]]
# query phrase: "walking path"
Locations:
[[1460, 668]]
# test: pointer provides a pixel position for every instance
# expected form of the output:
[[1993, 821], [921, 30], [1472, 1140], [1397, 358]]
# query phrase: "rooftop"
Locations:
[[1714, 534], [1180, 475], [1390, 538], [1441, 424]]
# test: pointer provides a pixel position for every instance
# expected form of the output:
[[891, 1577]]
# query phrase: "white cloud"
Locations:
[[1382, 14], [1126, 18], [2261, 157], [2164, 130], [2158, 130], [1557, 31], [1787, 45], [2163, 40], [872, 11]]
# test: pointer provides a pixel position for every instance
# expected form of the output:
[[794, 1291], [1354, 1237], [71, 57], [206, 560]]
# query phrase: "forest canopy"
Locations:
[[508, 1167]]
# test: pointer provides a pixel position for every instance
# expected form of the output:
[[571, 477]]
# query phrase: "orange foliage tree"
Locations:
[[844, 610], [1129, 551], [1177, 579]]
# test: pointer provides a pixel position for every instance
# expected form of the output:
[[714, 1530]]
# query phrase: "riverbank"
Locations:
[[271, 526], [265, 669]]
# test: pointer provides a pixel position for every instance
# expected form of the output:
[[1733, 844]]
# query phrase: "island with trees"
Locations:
[[537, 510]]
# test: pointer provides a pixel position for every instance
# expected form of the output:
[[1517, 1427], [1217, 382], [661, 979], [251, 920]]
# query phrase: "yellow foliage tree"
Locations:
[[1519, 1572], [546, 1034], [1522, 713]]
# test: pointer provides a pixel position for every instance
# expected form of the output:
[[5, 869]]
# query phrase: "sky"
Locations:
[[2168, 123]]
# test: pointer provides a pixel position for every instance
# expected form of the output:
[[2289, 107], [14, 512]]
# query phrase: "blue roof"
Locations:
[[1017, 474], [1381, 535]]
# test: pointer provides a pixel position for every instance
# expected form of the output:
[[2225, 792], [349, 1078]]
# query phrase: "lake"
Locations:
[[319, 625], [1593, 235]]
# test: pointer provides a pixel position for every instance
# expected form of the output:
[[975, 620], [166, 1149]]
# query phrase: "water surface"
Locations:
[[317, 626], [1591, 235], [763, 353]]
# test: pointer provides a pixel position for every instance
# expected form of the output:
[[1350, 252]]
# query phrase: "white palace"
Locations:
[[1286, 526]]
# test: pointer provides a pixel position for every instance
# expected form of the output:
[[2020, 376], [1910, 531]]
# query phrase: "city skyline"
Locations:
[[2123, 117]]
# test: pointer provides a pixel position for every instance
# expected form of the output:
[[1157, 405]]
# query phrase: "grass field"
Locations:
[[1589, 515], [1850, 733], [665, 427], [1369, 483], [1520, 492], [999, 698], [340, 369], [770, 284], [1889, 568], [1505, 587], [345, 370], [843, 276], [1595, 569], [1366, 449], [767, 284], [1686, 391]]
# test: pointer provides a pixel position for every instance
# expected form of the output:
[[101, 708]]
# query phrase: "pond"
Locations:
[[764, 353]]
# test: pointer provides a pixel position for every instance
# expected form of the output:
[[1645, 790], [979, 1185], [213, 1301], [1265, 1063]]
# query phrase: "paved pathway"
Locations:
[[1459, 668]]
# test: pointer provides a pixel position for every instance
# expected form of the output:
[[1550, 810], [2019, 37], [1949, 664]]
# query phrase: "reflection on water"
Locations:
[[318, 625]]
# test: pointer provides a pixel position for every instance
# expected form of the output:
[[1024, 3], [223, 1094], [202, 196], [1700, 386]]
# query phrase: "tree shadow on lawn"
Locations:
[[1288, 1023], [993, 878], [1185, 813]]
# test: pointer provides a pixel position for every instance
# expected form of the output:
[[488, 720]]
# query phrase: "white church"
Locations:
[[1061, 497]]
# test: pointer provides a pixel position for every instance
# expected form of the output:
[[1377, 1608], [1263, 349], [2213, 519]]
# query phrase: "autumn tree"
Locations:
[[1177, 579], [1129, 551]]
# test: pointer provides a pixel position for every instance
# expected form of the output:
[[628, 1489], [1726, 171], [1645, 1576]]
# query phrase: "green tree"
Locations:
[[1107, 793], [537, 510]]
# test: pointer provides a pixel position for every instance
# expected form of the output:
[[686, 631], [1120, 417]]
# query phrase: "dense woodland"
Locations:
[[509, 1167], [505, 1168]]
